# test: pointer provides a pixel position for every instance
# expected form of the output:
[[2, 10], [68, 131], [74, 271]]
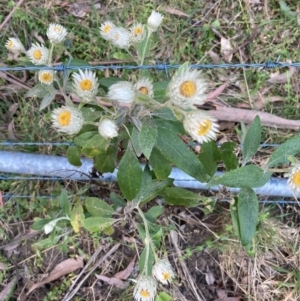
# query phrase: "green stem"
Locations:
[[50, 54], [145, 47], [148, 242]]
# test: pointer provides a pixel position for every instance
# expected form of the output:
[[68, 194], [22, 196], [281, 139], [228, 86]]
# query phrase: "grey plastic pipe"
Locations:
[[56, 166]]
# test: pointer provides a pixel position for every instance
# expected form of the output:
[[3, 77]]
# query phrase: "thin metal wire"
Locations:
[[159, 66], [16, 196]]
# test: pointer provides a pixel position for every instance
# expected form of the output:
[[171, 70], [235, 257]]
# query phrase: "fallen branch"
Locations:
[[247, 116]]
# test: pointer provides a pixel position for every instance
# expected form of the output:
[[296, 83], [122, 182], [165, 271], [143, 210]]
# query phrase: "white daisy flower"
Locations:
[[56, 33], [145, 289], [120, 38], [108, 129], [107, 29], [163, 272], [67, 119], [122, 92], [14, 45], [144, 86], [137, 32], [38, 54], [294, 179], [200, 126], [154, 21], [187, 88], [46, 76], [85, 84]]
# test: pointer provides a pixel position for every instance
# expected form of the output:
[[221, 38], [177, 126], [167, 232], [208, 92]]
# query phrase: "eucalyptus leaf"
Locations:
[[289, 148], [252, 140], [129, 174], [247, 208], [247, 176]]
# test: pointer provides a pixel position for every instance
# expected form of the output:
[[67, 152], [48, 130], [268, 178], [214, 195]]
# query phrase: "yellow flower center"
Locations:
[[86, 85], [10, 44], [144, 293], [296, 178], [204, 128], [107, 28], [46, 77], [57, 28], [144, 90], [117, 37], [37, 54], [138, 31], [188, 89], [64, 118], [166, 276]]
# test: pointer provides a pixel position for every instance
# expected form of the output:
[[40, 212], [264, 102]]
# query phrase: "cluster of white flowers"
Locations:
[[146, 286], [124, 38]]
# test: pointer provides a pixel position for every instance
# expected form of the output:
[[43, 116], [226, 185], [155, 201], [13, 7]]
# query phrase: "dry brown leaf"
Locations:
[[282, 78], [214, 57], [126, 273], [217, 92], [113, 281], [3, 266], [1, 199], [228, 299], [10, 131], [174, 11], [226, 50], [8, 289], [261, 103], [12, 109], [65, 267], [209, 278]]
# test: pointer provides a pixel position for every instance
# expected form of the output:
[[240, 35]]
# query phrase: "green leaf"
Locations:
[[289, 148], [143, 47], [247, 176], [175, 150], [161, 167], [209, 156], [165, 113], [145, 264], [77, 63], [163, 296], [181, 197], [106, 82], [129, 175], [148, 136], [122, 56], [73, 155], [82, 138], [76, 218], [97, 224], [90, 113], [117, 200], [46, 243], [248, 214], [227, 155], [135, 140], [64, 202], [150, 188], [155, 211], [252, 140], [159, 90], [38, 90], [286, 10], [106, 162], [39, 223], [47, 99], [97, 141], [235, 217], [97, 207]]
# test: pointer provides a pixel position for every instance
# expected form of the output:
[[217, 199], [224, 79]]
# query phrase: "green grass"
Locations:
[[181, 38]]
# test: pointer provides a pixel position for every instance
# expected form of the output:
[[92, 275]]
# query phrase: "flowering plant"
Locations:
[[121, 123]]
